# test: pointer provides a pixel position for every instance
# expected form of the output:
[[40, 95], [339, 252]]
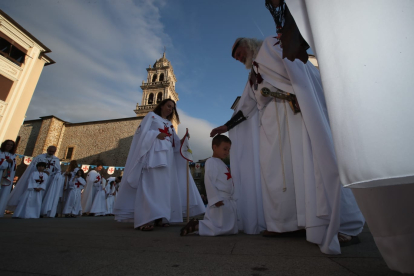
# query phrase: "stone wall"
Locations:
[[41, 138], [54, 132], [28, 135], [102, 141]]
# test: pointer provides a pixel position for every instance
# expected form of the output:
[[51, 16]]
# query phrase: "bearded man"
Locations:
[[297, 163]]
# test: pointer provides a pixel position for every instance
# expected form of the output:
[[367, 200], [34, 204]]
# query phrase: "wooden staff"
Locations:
[[188, 195]]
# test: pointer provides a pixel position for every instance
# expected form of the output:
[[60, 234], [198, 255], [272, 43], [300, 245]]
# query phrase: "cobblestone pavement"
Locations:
[[101, 246]]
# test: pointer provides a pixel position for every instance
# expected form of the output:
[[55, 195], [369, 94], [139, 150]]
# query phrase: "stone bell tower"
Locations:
[[160, 85]]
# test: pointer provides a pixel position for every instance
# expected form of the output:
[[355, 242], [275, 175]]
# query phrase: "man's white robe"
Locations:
[[52, 166], [52, 197], [7, 171], [31, 201], [73, 202], [299, 176], [370, 108], [219, 185], [154, 182], [89, 192]]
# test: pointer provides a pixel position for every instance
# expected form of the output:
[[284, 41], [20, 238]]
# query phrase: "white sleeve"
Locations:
[[210, 178]]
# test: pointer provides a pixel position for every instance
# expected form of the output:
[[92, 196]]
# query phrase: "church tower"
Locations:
[[160, 85]]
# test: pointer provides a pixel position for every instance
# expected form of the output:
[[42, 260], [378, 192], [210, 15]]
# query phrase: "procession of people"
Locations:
[[291, 169]]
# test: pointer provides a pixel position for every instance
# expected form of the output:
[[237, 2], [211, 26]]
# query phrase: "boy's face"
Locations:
[[40, 168], [222, 151]]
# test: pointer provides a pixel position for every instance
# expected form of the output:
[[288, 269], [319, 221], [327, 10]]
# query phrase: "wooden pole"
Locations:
[[188, 194]]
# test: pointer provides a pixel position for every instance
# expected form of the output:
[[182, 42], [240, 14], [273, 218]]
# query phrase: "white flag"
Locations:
[[185, 149], [28, 160], [197, 167], [111, 170], [85, 168]]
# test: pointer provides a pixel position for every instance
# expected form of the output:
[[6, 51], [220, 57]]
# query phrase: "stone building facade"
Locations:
[[106, 141]]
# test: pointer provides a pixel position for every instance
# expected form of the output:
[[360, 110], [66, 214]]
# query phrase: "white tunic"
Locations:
[[299, 176], [7, 171], [370, 108], [99, 202], [110, 191], [154, 181], [31, 200], [53, 194], [73, 202], [220, 187], [89, 192]]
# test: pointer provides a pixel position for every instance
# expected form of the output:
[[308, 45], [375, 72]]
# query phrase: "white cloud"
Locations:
[[101, 49], [199, 130]]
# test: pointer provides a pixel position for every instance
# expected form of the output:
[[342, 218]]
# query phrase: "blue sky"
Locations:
[[102, 49]]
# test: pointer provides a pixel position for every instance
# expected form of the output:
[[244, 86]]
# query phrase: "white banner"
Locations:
[[27, 160], [111, 170], [85, 168]]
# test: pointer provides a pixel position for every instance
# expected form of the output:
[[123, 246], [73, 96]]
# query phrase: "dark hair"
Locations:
[[82, 173], [218, 139], [157, 110], [119, 178], [3, 146], [99, 165], [41, 164], [72, 166]]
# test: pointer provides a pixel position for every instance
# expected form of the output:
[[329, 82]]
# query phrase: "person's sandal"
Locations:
[[189, 228], [146, 227]]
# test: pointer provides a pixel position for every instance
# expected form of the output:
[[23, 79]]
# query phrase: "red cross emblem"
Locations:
[[85, 168], [28, 160], [78, 184], [197, 166], [111, 170], [228, 174], [165, 130], [40, 180], [98, 178]]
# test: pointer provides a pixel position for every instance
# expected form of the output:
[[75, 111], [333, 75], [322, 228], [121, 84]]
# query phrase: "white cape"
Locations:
[[53, 194], [143, 162]]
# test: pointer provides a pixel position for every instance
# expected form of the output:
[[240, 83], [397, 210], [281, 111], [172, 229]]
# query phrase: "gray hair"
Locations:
[[252, 44]]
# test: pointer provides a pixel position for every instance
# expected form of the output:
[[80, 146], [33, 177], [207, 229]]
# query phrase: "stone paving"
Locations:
[[101, 246]]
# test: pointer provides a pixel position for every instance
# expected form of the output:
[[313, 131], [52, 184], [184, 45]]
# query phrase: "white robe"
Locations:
[[52, 197], [73, 202], [31, 201], [99, 202], [7, 171], [53, 168], [110, 197], [154, 181], [220, 187], [89, 191], [370, 107], [299, 176]]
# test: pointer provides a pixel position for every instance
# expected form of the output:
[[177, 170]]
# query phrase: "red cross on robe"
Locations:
[[98, 178], [228, 174], [40, 180], [78, 184], [165, 130]]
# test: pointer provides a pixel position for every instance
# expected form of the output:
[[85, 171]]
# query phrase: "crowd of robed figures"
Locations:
[[45, 191]]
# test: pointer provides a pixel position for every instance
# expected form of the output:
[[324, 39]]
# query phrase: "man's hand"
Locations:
[[218, 130], [218, 204], [162, 136]]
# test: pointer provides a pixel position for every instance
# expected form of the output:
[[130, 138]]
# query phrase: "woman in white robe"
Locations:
[[73, 205], [110, 191], [30, 201], [7, 171], [154, 181]]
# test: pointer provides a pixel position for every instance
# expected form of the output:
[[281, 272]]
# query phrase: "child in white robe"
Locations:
[[73, 205], [221, 214], [111, 190], [30, 202], [99, 202]]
